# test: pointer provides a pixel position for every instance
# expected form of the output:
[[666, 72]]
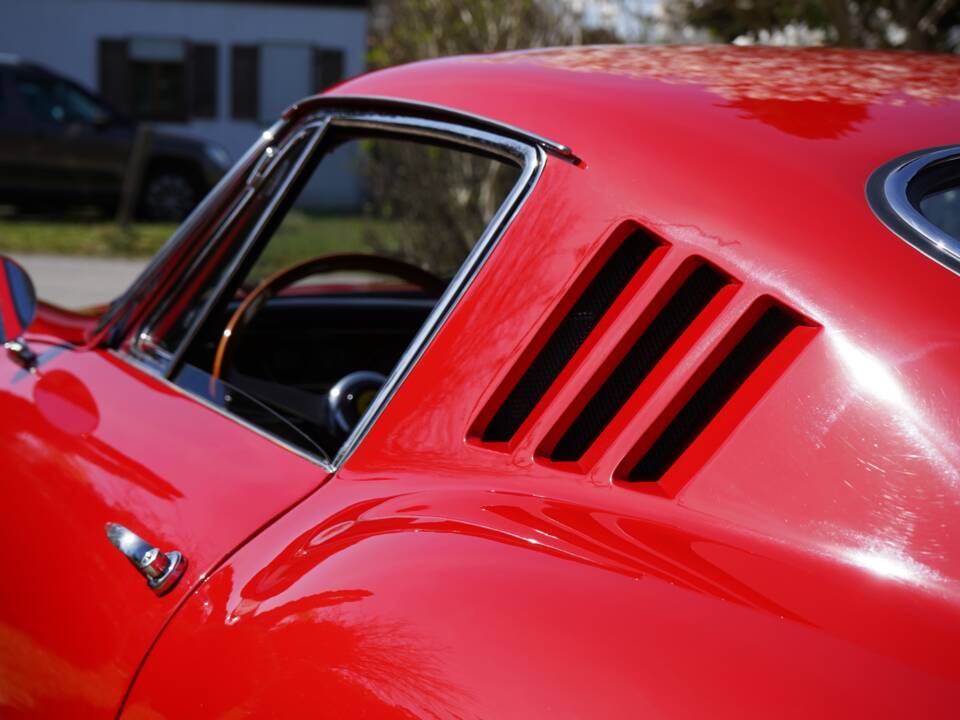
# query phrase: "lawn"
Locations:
[[78, 237], [300, 235]]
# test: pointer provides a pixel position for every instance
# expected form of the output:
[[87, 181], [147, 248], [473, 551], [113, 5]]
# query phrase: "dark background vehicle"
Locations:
[[61, 146]]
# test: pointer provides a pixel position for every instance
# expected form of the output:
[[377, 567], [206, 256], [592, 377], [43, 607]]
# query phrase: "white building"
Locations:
[[216, 69]]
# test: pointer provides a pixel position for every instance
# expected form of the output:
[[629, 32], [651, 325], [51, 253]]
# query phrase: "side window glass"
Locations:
[[338, 282], [81, 107], [53, 100], [37, 94]]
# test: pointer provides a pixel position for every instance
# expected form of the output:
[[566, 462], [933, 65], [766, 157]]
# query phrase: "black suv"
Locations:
[[61, 145]]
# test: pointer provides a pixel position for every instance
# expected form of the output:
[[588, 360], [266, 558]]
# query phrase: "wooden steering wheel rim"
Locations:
[[284, 277]]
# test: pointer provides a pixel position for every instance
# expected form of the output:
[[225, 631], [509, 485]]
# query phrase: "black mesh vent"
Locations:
[[570, 334], [664, 330], [768, 332]]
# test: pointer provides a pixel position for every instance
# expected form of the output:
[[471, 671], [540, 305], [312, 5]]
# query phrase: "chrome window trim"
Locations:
[[888, 194], [310, 146], [110, 323], [380, 103], [167, 361], [530, 157]]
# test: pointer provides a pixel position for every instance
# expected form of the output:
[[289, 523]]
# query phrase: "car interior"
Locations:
[[322, 312]]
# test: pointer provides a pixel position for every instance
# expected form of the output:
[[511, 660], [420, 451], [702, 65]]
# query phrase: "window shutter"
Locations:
[[3, 92], [327, 68], [203, 81], [245, 82], [114, 74]]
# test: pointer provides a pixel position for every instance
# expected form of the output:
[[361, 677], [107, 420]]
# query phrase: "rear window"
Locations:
[[942, 208]]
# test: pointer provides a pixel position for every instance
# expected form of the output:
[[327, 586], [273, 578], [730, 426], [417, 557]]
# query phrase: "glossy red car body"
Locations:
[[802, 560]]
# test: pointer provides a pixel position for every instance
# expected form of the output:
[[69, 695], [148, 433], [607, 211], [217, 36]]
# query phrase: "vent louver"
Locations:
[[690, 299], [571, 332], [642, 394], [755, 346]]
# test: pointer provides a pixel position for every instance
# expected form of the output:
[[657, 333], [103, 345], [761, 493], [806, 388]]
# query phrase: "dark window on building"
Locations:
[[159, 78], [245, 82], [115, 74], [203, 81], [327, 68], [159, 90]]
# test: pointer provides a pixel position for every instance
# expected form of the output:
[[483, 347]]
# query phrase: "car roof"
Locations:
[[11, 60], [820, 99]]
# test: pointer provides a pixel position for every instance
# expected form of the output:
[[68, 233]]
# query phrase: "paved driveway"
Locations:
[[76, 282]]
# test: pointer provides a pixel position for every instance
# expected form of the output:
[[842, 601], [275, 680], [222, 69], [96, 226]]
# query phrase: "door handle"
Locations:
[[162, 570]]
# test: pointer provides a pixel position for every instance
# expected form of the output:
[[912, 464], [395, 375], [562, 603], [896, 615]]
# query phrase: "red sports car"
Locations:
[[636, 394]]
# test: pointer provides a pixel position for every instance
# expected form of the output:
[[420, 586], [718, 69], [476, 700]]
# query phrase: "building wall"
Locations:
[[64, 35]]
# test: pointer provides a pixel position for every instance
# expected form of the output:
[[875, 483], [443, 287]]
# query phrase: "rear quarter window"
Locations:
[[917, 196], [942, 208]]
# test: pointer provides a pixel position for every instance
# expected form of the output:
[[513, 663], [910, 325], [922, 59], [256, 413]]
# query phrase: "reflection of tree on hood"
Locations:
[[804, 118], [757, 73], [357, 665], [814, 93]]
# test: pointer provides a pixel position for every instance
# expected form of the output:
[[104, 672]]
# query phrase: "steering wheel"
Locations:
[[338, 414]]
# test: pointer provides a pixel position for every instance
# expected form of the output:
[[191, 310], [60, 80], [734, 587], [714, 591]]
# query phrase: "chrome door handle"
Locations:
[[162, 570]]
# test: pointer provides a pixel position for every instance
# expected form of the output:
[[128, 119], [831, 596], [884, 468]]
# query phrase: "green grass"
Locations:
[[82, 238], [301, 235]]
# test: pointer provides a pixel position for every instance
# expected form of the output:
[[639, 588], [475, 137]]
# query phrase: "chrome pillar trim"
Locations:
[[309, 146], [272, 157], [111, 327], [481, 140], [387, 104], [889, 193], [143, 344], [161, 570]]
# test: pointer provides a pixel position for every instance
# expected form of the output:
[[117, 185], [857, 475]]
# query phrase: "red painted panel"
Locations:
[[471, 600], [89, 440]]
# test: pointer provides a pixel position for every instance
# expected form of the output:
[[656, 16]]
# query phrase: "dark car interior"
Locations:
[[299, 346], [302, 348]]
